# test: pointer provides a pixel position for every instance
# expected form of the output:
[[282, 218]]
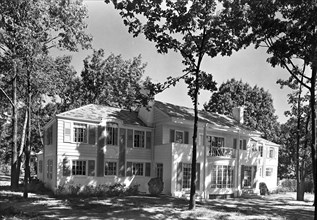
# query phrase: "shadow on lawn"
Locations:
[[262, 207]]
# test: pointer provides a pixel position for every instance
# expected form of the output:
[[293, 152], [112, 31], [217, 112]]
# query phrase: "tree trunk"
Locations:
[[192, 202], [301, 190], [298, 176], [28, 144], [14, 149], [313, 143]]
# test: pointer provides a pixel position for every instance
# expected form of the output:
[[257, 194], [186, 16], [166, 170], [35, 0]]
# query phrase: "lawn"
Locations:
[[278, 206]]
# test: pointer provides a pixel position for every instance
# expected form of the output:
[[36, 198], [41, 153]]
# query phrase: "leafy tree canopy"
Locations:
[[259, 112]]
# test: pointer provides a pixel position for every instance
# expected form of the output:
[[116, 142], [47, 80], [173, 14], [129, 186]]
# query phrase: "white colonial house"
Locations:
[[95, 144]]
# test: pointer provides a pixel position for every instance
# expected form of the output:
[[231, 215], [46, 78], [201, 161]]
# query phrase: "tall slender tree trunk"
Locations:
[[28, 144], [192, 201], [14, 149], [313, 144], [299, 194]]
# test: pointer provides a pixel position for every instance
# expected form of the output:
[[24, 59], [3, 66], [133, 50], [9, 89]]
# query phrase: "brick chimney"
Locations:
[[237, 113]]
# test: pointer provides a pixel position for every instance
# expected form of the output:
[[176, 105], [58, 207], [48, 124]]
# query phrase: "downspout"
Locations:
[[205, 160]]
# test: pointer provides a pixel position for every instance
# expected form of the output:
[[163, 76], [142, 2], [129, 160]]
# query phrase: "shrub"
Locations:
[[36, 186], [289, 185], [309, 186], [132, 190], [73, 190], [263, 189], [156, 186]]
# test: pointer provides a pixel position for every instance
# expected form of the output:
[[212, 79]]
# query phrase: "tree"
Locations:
[[259, 110], [287, 28], [28, 30], [112, 81], [299, 113], [192, 28]]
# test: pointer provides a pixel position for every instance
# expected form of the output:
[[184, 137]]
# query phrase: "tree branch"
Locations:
[[6, 95]]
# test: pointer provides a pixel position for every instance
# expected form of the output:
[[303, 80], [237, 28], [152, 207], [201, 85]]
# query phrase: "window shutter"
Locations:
[[67, 131], [179, 176], [242, 175], [92, 134], [172, 136], [244, 144], [129, 168], [148, 140], [100, 153], [122, 141], [235, 142], [91, 168], [147, 169], [186, 138], [198, 176], [66, 167], [115, 134], [130, 138], [254, 169]]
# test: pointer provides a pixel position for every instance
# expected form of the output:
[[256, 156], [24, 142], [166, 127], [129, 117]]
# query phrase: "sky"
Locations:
[[248, 65]]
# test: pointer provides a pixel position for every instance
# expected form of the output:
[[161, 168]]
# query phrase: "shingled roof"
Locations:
[[215, 119], [97, 113]]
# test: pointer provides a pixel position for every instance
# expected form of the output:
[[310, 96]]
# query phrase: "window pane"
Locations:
[[80, 132], [110, 168], [179, 137], [137, 169], [79, 167], [186, 175], [139, 139]]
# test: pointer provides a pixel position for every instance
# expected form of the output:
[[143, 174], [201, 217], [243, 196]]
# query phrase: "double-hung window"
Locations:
[[187, 171], [139, 138], [80, 133], [79, 167], [268, 171], [271, 152], [179, 137], [137, 169], [110, 168], [112, 136]]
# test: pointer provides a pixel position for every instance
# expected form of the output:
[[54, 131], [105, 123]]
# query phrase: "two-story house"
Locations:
[[95, 144]]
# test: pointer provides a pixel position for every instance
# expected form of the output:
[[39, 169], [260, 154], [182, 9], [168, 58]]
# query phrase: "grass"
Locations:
[[41, 206]]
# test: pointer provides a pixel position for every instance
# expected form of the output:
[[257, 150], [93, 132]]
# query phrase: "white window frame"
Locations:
[[86, 167], [229, 181], [270, 170], [135, 171], [113, 170], [139, 141], [182, 140], [112, 140], [271, 153], [186, 182], [77, 125]]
